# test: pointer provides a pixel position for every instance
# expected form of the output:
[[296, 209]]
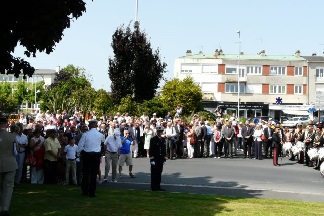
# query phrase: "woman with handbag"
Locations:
[[190, 141]]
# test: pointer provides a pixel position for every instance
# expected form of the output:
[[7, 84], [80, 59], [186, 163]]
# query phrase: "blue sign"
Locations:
[[278, 100]]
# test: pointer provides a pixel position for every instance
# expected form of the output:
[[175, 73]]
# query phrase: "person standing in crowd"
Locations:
[[208, 135], [267, 131], [308, 140], [247, 132], [170, 132], [126, 154], [190, 141], [157, 158], [228, 134], [52, 148], [299, 137], [8, 166], [84, 128], [71, 152], [218, 140], [198, 136], [112, 146], [258, 142], [148, 134], [276, 144], [318, 144], [90, 147], [22, 143], [37, 148]]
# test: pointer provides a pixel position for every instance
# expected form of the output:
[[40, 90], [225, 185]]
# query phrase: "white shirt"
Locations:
[[22, 140], [113, 144], [71, 151], [170, 132], [91, 141]]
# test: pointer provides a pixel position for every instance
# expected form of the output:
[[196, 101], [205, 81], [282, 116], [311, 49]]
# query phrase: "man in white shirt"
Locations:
[[112, 145], [22, 143], [169, 132], [71, 153], [90, 148]]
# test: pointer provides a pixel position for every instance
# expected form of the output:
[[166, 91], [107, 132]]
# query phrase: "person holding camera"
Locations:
[[125, 154]]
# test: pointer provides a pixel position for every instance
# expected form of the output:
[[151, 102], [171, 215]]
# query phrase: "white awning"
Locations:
[[296, 112]]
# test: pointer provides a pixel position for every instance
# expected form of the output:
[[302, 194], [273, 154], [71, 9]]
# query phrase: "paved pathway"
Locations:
[[231, 177]]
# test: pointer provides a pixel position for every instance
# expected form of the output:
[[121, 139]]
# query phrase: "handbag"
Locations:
[[263, 137], [30, 160], [193, 140]]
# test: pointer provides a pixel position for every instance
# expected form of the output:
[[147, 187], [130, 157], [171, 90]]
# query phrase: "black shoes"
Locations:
[[159, 189]]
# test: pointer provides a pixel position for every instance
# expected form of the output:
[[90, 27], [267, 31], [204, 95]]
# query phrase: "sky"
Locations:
[[280, 27]]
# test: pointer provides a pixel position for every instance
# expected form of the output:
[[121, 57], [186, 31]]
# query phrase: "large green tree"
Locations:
[[37, 26], [69, 89], [182, 92], [135, 69]]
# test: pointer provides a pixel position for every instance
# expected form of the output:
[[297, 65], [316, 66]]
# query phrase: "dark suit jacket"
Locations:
[[157, 149], [247, 132]]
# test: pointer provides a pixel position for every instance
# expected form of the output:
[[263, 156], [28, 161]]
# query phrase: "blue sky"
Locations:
[[174, 26]]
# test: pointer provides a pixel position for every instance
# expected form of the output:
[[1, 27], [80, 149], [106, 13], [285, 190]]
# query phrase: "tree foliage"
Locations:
[[69, 89], [37, 26], [182, 92], [8, 103], [155, 105], [102, 102], [135, 69]]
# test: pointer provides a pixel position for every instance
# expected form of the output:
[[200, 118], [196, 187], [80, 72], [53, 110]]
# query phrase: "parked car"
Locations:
[[294, 121]]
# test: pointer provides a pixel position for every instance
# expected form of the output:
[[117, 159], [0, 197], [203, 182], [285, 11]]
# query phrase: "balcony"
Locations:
[[319, 79]]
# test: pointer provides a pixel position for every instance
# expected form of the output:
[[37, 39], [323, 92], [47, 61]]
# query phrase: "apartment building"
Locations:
[[261, 81]]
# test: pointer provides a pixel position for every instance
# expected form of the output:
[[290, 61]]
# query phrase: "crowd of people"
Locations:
[[48, 145]]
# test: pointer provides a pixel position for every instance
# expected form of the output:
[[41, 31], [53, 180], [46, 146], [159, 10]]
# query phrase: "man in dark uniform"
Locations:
[[157, 154], [8, 166]]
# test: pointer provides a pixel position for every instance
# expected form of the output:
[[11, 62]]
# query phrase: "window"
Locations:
[[254, 70], [232, 88], [190, 68], [277, 89], [2, 78], [10, 78], [298, 71], [277, 70], [186, 71], [298, 89], [320, 72], [210, 68], [231, 70]]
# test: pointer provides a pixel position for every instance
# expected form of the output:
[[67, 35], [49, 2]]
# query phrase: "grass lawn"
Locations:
[[67, 200]]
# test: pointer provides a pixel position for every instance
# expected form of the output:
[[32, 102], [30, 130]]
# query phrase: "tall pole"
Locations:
[[238, 76], [136, 11], [136, 23], [35, 106]]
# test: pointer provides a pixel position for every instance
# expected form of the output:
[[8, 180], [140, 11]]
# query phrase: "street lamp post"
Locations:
[[238, 76], [36, 91]]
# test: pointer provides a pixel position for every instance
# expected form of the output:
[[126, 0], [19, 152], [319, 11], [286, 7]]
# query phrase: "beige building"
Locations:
[[263, 79]]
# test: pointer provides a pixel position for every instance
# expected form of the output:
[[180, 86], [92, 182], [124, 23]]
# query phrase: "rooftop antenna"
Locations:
[[136, 23]]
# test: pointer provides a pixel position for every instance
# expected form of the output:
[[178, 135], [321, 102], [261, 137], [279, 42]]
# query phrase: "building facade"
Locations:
[[45, 75], [263, 79]]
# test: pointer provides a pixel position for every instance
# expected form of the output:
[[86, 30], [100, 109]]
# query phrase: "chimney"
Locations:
[[200, 52], [297, 53], [217, 53], [221, 52], [314, 54], [262, 53], [188, 53]]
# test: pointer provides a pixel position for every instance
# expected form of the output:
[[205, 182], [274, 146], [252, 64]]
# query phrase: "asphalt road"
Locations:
[[230, 177]]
